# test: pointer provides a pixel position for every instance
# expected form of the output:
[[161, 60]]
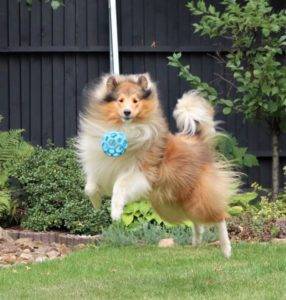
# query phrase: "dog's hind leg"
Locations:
[[198, 231], [225, 244], [128, 187]]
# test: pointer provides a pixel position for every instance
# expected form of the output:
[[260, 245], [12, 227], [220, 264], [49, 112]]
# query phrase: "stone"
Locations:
[[27, 250], [9, 258], [165, 243], [53, 254], [25, 243], [43, 249], [8, 248], [63, 249], [26, 256], [40, 259]]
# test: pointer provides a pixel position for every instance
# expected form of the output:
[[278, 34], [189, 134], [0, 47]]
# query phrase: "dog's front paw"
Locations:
[[226, 250], [90, 190], [116, 212]]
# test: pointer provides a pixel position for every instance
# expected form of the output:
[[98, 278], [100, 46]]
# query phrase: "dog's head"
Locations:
[[125, 98]]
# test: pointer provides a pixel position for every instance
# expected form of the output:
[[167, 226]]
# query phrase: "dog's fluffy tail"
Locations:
[[194, 115]]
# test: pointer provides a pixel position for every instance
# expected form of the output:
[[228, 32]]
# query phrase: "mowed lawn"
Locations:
[[255, 271]]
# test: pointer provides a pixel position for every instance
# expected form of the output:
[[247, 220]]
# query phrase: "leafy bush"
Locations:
[[5, 206], [13, 150], [240, 202], [227, 145], [261, 220], [136, 213], [53, 196]]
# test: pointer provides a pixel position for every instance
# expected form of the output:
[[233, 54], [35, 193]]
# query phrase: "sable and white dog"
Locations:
[[180, 173]]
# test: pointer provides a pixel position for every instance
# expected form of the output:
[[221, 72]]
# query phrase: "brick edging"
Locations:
[[54, 237]]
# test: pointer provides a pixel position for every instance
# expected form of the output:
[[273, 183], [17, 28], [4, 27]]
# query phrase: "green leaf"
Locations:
[[226, 110], [211, 9], [229, 103], [127, 219], [55, 4], [235, 210], [250, 160], [243, 199], [265, 32]]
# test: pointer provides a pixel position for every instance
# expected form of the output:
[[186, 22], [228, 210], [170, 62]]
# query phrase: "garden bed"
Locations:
[[24, 246]]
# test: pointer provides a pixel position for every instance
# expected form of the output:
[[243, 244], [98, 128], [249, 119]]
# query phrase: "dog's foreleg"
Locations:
[[198, 231], [92, 191], [225, 244], [128, 187]]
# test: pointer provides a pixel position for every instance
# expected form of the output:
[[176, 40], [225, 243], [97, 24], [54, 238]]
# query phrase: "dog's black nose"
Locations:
[[127, 112]]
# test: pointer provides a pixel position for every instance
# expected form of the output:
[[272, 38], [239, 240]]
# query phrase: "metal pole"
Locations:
[[113, 38]]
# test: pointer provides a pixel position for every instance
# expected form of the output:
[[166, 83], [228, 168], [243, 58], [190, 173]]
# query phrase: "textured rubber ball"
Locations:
[[114, 143]]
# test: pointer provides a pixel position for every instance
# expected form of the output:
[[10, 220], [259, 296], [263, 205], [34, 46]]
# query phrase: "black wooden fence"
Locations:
[[46, 58]]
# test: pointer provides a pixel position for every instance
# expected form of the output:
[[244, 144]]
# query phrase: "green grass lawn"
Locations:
[[255, 271]]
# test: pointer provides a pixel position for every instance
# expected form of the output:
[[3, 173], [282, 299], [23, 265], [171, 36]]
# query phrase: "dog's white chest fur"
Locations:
[[103, 168]]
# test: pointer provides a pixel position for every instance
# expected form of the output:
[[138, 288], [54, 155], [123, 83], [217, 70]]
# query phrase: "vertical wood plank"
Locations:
[[81, 28], [138, 23], [24, 25], [25, 95], [3, 24], [92, 23], [47, 99], [58, 27], [14, 92], [70, 96], [36, 24], [47, 25], [58, 101], [36, 100], [81, 80], [13, 24], [70, 22], [161, 22], [102, 23], [149, 23], [126, 22], [5, 90]]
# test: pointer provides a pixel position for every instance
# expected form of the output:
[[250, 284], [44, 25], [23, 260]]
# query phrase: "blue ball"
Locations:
[[114, 143]]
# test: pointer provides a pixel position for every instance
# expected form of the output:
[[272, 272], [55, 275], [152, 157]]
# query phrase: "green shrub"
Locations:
[[227, 145], [141, 212], [53, 196], [261, 220], [238, 203], [13, 150]]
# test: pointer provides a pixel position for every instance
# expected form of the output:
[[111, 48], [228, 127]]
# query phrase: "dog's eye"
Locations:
[[120, 100], [135, 100]]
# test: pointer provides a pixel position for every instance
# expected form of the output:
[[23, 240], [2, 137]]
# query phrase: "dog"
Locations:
[[180, 174]]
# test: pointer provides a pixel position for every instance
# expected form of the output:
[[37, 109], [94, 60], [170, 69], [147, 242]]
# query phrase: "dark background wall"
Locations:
[[46, 58]]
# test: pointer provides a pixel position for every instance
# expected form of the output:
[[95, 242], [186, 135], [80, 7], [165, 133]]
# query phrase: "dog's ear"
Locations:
[[143, 82], [111, 84]]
